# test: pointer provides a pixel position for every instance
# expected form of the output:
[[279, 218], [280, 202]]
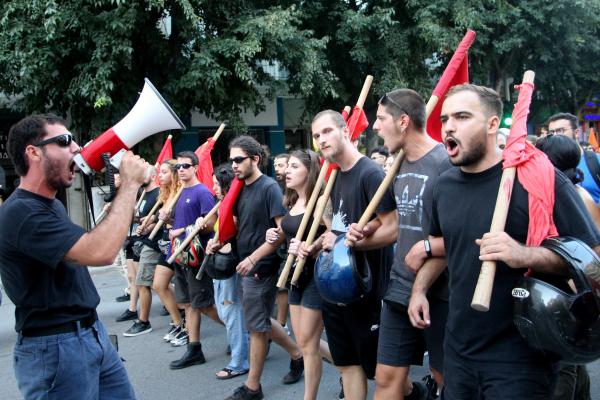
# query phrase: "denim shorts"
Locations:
[[308, 297], [258, 301]]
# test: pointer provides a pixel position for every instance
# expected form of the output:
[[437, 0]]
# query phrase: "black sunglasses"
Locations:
[[386, 99], [238, 159], [184, 166], [63, 140]]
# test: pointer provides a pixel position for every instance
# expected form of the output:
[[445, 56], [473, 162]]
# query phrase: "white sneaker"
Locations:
[[181, 339]]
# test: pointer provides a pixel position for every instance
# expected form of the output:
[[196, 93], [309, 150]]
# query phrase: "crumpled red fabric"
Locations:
[[534, 171]]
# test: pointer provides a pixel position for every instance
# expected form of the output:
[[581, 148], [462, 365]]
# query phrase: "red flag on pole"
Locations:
[[534, 171], [205, 167], [357, 123], [165, 154], [456, 73], [227, 228]]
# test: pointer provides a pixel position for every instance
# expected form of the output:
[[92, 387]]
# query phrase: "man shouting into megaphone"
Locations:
[[42, 264]]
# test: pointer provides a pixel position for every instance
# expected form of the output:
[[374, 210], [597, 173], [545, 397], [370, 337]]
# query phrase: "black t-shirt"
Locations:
[[256, 208], [351, 194], [148, 202], [463, 205], [35, 235]]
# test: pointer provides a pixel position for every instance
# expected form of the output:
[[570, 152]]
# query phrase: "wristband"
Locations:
[[427, 247]]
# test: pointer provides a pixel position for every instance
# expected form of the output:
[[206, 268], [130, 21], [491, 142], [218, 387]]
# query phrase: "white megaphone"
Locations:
[[151, 114]]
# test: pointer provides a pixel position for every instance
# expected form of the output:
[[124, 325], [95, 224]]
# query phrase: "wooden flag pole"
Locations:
[[193, 233], [172, 203], [485, 283]]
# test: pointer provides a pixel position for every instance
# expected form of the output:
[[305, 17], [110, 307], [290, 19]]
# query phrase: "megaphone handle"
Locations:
[[110, 177]]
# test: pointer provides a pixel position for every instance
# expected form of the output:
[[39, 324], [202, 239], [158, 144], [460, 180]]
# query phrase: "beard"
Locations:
[[474, 154], [53, 171]]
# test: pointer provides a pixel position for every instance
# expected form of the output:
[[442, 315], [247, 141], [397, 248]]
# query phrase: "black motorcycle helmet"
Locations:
[[562, 322]]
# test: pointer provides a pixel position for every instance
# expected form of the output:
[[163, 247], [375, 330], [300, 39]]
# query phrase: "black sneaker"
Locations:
[[341, 396], [123, 298], [138, 328], [431, 386], [127, 316], [419, 392], [243, 393], [193, 356], [296, 369]]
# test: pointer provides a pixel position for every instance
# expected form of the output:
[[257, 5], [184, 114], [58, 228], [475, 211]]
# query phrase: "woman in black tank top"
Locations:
[[305, 301]]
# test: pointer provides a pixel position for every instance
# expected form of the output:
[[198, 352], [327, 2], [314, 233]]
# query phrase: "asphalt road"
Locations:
[[147, 356]]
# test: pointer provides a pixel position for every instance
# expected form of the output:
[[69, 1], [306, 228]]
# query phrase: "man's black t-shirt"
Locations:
[[35, 235], [256, 208], [351, 194], [148, 202], [463, 206]]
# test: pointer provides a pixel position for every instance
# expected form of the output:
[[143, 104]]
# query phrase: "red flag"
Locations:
[[357, 123], [165, 154], [227, 228], [456, 73], [593, 140], [534, 171], [205, 167]]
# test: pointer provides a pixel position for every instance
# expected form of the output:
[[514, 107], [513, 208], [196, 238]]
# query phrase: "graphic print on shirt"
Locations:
[[340, 219], [410, 202]]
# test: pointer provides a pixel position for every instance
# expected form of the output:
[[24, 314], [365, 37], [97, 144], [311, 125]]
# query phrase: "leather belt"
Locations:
[[67, 327]]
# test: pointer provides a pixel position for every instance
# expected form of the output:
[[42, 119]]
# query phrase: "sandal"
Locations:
[[229, 373]]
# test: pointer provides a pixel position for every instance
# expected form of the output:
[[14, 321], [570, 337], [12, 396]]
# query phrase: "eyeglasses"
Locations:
[[63, 140], [559, 131], [385, 99], [238, 159], [184, 166]]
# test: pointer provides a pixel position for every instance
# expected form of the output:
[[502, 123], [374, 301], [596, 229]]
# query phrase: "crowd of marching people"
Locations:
[[413, 263]]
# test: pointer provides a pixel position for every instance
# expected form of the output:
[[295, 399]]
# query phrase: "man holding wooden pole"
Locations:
[[197, 296], [484, 353], [353, 329]]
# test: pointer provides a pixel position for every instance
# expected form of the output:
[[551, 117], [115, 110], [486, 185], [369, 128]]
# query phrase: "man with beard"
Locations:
[[568, 125], [353, 329], [259, 207], [280, 163], [401, 124], [62, 349], [197, 296], [484, 354]]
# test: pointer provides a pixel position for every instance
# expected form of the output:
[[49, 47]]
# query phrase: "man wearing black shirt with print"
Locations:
[[484, 354], [42, 263], [259, 206], [353, 330]]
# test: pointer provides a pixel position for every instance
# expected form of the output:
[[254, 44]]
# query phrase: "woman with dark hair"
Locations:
[[304, 299], [228, 295], [564, 153]]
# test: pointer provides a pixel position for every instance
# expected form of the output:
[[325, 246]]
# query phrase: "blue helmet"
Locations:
[[343, 275]]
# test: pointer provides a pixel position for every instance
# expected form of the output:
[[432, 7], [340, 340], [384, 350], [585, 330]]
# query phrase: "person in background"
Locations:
[[379, 154]]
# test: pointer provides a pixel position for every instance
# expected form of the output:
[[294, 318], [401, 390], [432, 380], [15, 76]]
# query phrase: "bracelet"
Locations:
[[427, 247], [251, 262]]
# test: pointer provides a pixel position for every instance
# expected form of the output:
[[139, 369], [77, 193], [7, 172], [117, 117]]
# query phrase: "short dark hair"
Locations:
[[282, 155], [381, 150], [188, 154], [400, 102], [489, 97], [573, 120], [336, 117], [28, 131], [224, 176], [250, 146], [564, 154]]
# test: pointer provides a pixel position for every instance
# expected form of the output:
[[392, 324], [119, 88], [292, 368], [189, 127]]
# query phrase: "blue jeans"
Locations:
[[77, 365], [229, 308]]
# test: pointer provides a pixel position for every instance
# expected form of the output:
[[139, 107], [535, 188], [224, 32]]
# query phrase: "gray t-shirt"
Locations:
[[413, 188]]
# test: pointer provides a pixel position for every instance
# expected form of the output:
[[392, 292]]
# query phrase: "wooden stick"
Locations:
[[485, 282], [218, 132], [152, 211], [193, 233], [307, 213], [169, 209], [322, 203]]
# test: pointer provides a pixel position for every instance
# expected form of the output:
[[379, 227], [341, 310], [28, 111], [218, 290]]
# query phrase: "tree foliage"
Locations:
[[89, 57]]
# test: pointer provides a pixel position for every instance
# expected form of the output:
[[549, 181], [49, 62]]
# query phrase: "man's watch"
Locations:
[[427, 247]]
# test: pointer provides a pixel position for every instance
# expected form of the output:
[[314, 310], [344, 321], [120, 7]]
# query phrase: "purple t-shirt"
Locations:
[[195, 201]]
